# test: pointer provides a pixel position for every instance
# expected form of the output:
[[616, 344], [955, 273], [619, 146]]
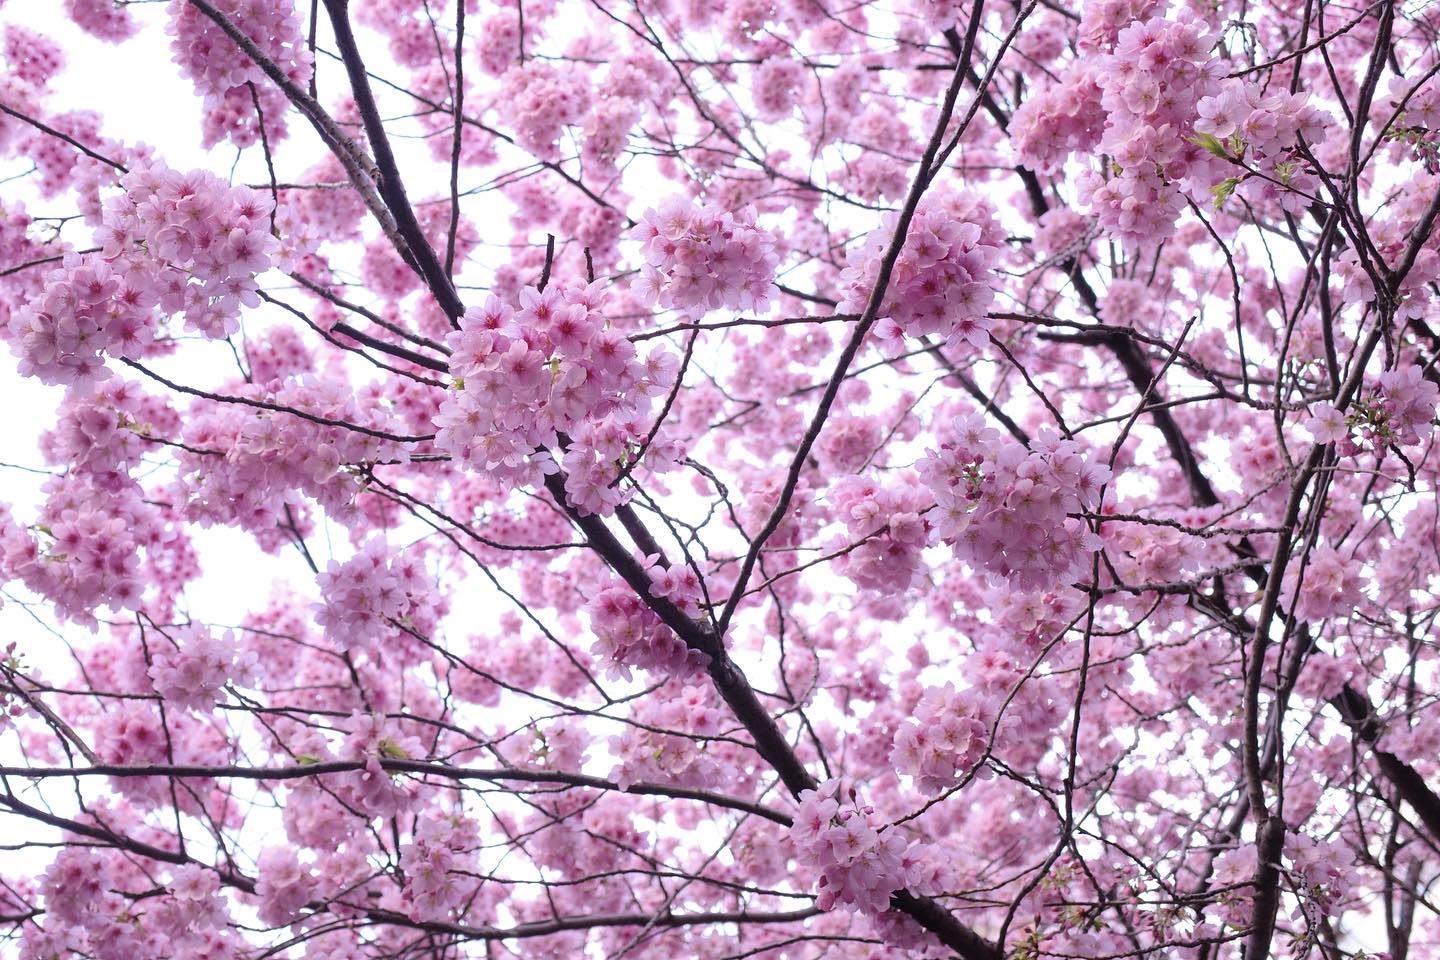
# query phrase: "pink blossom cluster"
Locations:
[[362, 597], [1400, 411], [1063, 232], [1331, 587], [191, 665], [678, 583], [77, 887], [267, 456], [1059, 119], [1150, 85], [1267, 123], [132, 737], [55, 161], [84, 549], [860, 866], [886, 527], [701, 257], [104, 434], [1102, 20], [224, 74], [943, 283], [849, 441], [105, 19], [11, 704], [1405, 413], [18, 246], [282, 885], [776, 86], [1007, 510], [195, 914], [606, 131], [944, 741], [103, 905], [411, 35], [629, 634], [189, 244], [497, 42], [373, 790], [1262, 126], [1154, 105], [1323, 872], [131, 734], [436, 862], [99, 536], [645, 752], [540, 100], [1414, 297], [34, 59], [525, 377], [600, 449]]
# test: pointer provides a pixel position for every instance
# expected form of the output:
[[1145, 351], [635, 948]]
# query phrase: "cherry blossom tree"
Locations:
[[773, 478]]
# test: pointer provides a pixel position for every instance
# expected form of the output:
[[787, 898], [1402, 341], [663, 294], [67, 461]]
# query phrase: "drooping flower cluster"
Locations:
[[645, 752], [132, 735], [103, 435], [436, 862], [34, 59], [1155, 107], [1405, 411], [282, 885], [373, 738], [192, 665], [775, 86], [540, 100], [225, 75], [364, 595], [1150, 84], [942, 283], [1007, 509], [78, 889], [269, 456], [99, 537], [187, 244], [1323, 873], [1244, 120], [1059, 119], [944, 741], [859, 865], [702, 258], [525, 377], [629, 634], [84, 549], [1331, 586], [196, 911], [886, 524], [1399, 411], [102, 18]]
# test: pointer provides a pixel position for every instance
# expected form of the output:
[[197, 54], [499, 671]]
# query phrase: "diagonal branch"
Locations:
[[388, 180]]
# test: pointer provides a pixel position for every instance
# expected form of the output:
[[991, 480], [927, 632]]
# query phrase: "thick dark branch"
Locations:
[[1358, 713], [392, 190], [740, 696]]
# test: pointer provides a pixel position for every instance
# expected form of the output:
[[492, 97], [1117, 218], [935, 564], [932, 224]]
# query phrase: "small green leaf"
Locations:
[[1210, 144], [1224, 190]]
